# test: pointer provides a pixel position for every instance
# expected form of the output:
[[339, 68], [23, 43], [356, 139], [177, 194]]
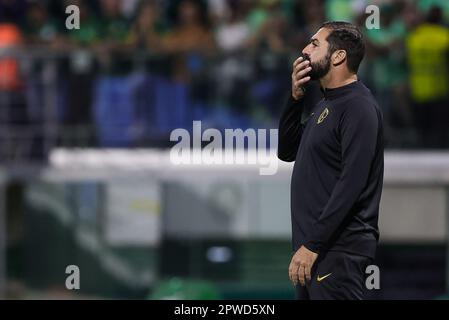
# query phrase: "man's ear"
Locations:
[[338, 57]]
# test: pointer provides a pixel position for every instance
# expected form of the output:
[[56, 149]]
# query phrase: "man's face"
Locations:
[[318, 55]]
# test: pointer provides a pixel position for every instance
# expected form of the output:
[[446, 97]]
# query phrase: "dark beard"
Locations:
[[320, 68]]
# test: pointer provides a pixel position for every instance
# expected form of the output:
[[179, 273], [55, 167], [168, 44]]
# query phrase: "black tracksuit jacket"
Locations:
[[337, 177]]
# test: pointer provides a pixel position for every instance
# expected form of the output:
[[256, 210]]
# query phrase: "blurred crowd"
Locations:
[[136, 69]]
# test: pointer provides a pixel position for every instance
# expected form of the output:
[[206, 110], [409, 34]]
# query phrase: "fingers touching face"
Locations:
[[301, 68]]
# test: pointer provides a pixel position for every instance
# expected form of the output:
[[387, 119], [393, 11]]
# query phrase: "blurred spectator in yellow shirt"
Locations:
[[427, 52]]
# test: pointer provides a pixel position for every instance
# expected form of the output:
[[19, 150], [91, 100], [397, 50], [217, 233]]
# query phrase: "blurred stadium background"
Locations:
[[85, 119]]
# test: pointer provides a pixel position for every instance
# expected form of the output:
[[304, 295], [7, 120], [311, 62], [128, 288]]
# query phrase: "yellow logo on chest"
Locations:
[[323, 115]]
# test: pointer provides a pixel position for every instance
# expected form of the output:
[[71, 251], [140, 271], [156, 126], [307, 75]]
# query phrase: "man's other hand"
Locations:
[[301, 265]]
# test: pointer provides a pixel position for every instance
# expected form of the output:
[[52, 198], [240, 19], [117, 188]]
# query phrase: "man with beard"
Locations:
[[337, 178]]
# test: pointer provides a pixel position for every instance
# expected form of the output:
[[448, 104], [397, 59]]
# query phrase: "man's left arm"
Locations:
[[359, 128]]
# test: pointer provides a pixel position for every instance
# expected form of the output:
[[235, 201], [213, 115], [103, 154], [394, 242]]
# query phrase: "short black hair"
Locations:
[[346, 36]]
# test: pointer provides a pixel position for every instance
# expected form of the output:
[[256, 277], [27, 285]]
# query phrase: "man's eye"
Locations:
[[314, 44]]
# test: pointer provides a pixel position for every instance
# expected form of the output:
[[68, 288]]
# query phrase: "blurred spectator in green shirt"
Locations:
[[387, 69], [40, 28], [113, 54], [340, 10]]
